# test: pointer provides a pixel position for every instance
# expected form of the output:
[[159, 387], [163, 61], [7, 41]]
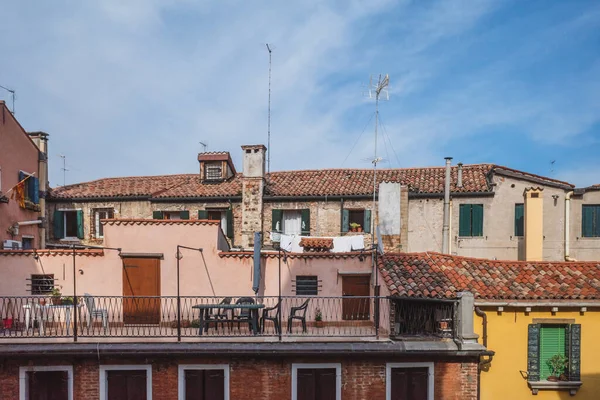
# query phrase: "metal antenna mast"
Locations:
[[376, 90], [12, 93], [269, 116], [204, 146], [64, 168]]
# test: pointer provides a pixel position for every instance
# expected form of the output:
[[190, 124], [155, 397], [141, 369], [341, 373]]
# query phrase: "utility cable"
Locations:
[[357, 140]]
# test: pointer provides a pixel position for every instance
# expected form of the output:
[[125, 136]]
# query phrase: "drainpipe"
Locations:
[[483, 315], [43, 187], [482, 362], [446, 228], [567, 226]]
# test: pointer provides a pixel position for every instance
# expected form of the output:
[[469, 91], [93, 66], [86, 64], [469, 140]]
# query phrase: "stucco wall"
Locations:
[[507, 336], [17, 153], [583, 248]]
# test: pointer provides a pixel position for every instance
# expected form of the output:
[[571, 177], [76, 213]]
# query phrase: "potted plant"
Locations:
[[557, 363], [66, 300], [319, 318], [354, 226], [56, 297]]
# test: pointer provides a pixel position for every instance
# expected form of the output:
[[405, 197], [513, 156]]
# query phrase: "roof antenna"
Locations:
[[64, 168], [204, 146], [12, 93], [552, 167], [269, 115]]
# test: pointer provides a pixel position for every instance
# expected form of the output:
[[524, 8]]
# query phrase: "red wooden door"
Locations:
[[316, 384], [204, 384], [48, 385], [355, 309], [409, 384], [126, 385], [141, 279]]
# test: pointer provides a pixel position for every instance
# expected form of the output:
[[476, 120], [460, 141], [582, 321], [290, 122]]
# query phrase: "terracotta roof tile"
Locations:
[[316, 244], [489, 279], [53, 252]]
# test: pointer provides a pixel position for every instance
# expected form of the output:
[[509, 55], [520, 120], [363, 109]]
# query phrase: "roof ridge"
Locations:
[[381, 169]]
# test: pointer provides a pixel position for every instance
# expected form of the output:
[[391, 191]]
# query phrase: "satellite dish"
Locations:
[[379, 242]]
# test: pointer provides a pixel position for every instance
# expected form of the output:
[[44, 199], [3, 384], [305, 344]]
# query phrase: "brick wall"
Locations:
[[268, 379]]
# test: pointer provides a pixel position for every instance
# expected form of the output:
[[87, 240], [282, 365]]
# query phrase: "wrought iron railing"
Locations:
[[423, 318], [189, 317]]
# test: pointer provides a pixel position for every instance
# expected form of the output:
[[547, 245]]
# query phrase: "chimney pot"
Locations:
[[459, 182]]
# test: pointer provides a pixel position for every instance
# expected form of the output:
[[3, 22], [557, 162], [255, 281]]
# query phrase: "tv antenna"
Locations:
[[12, 94], [64, 168], [269, 114], [204, 146], [377, 90], [552, 167]]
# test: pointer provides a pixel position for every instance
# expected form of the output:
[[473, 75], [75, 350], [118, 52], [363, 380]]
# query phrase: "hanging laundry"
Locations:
[[357, 242]]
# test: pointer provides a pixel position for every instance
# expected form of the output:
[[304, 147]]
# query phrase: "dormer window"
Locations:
[[213, 172]]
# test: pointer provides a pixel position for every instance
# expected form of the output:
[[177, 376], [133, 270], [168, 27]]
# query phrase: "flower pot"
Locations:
[[42, 302], [553, 378], [57, 301], [319, 324], [7, 323]]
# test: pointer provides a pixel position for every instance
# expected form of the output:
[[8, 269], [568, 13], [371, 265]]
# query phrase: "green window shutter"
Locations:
[[229, 217], [276, 220], [574, 351], [464, 220], [184, 214], [80, 224], [596, 231], [35, 190], [305, 222], [157, 215], [58, 223], [367, 223], [552, 342], [345, 220], [533, 352], [519, 219], [477, 220], [587, 221], [202, 214]]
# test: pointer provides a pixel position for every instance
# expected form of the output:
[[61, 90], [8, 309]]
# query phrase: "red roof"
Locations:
[[438, 275]]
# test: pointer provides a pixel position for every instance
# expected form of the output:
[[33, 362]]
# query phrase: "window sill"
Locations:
[[470, 237], [572, 386]]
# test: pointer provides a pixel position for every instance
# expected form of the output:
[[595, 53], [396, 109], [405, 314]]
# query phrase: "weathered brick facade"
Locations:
[[258, 377]]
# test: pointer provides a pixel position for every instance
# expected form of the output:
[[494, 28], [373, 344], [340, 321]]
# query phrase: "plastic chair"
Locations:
[[219, 315], [94, 312], [245, 314], [301, 310], [274, 318]]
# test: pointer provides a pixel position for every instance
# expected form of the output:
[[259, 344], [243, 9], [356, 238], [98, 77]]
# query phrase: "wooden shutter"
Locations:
[[184, 214], [305, 222], [574, 352], [35, 190], [202, 214], [58, 223], [48, 385], [229, 218], [305, 384], [277, 220], [345, 220], [464, 220], [587, 221], [325, 384], [533, 352], [519, 219], [126, 385], [552, 342], [80, 224], [157, 215], [367, 224], [409, 383], [214, 384], [477, 220], [596, 229]]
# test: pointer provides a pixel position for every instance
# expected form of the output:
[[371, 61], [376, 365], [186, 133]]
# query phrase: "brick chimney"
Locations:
[[534, 224], [253, 187]]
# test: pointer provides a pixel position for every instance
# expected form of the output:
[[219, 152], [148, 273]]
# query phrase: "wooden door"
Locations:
[[48, 385], [204, 384], [409, 384], [126, 385], [316, 384], [356, 309], [141, 281]]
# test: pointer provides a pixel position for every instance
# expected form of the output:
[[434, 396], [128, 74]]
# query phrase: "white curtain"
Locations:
[[292, 221], [224, 222]]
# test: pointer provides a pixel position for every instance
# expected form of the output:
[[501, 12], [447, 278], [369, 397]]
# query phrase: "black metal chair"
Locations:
[[245, 314], [220, 314], [274, 317], [301, 310]]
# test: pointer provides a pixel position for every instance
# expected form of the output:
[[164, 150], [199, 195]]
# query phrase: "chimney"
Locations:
[[459, 179], [446, 228], [253, 186], [534, 224]]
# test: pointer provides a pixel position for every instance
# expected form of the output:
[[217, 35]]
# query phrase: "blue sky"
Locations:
[[130, 88]]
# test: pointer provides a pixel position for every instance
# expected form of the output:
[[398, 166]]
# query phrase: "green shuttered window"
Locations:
[[470, 220], [519, 219], [590, 221], [552, 342], [547, 340]]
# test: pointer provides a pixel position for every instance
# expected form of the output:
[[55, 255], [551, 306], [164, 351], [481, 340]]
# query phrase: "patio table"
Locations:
[[45, 311], [205, 308]]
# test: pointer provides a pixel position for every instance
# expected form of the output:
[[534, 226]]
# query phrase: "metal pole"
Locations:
[[376, 290], [75, 309], [178, 299], [446, 226], [279, 299]]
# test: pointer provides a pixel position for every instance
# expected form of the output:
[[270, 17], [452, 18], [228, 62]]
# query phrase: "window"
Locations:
[[225, 216], [37, 383], [307, 285], [31, 186], [412, 381], [27, 242], [99, 214], [352, 218], [176, 215], [291, 222], [125, 382], [519, 219], [316, 381], [213, 172], [204, 382], [42, 284], [470, 220], [68, 224], [590, 221], [547, 340]]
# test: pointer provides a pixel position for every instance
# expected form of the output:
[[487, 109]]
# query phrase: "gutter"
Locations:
[[190, 199], [544, 303]]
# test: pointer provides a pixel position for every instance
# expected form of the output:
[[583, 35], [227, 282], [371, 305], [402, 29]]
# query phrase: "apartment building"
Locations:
[[487, 211]]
